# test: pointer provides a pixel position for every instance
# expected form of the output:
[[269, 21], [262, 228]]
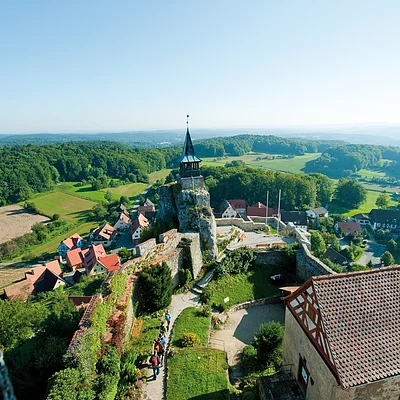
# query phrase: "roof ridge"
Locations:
[[350, 274]]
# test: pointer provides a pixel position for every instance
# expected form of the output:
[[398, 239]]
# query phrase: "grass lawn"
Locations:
[[292, 165], [69, 207], [51, 246], [155, 176], [85, 191], [130, 190], [191, 320], [369, 173], [364, 208], [197, 374], [245, 287]]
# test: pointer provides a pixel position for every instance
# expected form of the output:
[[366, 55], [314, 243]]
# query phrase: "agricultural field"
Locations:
[[364, 208], [11, 273], [16, 221], [130, 190], [155, 176], [70, 208], [85, 192], [292, 165]]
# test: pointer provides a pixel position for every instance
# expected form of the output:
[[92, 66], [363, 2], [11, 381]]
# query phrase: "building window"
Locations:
[[303, 374]]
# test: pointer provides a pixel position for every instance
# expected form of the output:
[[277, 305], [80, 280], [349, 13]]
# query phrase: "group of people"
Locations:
[[157, 358]]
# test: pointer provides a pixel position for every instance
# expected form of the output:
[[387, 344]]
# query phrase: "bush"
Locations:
[[268, 343], [205, 310], [387, 259], [249, 359], [190, 340], [55, 217], [236, 262]]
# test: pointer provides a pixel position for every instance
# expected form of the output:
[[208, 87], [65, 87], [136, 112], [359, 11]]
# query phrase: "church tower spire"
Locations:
[[189, 163]]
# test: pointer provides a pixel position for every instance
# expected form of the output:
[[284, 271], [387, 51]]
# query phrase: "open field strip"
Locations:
[[155, 176], [69, 207], [292, 165]]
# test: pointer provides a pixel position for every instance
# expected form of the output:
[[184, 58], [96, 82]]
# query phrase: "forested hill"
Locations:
[[242, 144], [344, 160], [25, 170]]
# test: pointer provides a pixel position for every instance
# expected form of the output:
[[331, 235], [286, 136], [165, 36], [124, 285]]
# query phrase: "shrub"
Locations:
[[236, 262], [206, 310], [55, 217], [387, 258], [249, 359], [268, 343], [190, 340]]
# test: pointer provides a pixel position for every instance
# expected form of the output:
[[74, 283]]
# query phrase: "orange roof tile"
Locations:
[[72, 241], [20, 290], [75, 257], [141, 220], [54, 267]]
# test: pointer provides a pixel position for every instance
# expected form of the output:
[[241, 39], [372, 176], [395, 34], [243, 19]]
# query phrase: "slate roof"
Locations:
[[335, 256], [188, 150], [385, 216], [360, 314], [297, 217], [350, 227]]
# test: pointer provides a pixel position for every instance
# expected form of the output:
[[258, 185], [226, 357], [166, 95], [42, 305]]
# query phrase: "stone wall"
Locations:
[[268, 258], [247, 226], [307, 265]]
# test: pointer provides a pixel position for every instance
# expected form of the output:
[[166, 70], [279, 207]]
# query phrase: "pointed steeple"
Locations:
[[188, 149]]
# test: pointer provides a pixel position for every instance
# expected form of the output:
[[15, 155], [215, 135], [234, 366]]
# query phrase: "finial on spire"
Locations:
[[187, 122]]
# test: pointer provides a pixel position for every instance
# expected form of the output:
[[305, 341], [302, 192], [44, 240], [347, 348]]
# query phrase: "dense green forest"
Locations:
[[344, 160], [25, 170], [28, 169], [251, 184]]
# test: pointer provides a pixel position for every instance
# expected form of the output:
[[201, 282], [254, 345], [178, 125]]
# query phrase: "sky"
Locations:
[[82, 65]]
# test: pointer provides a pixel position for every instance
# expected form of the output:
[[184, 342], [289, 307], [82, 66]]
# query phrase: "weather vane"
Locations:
[[187, 119]]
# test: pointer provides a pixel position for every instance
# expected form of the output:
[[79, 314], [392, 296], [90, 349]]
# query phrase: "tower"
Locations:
[[189, 164]]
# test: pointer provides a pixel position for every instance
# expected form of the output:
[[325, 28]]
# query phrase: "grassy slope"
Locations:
[[197, 374], [155, 176], [130, 190], [51, 246], [190, 320], [143, 343], [293, 165], [69, 207], [245, 287], [364, 208]]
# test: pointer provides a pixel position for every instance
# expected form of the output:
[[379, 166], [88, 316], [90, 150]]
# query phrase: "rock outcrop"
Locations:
[[191, 207]]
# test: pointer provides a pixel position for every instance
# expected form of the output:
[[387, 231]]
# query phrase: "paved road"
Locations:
[[373, 252]]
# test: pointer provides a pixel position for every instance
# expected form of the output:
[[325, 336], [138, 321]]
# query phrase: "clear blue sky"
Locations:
[[83, 65]]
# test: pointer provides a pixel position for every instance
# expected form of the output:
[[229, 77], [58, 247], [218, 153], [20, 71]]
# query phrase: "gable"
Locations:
[[303, 305]]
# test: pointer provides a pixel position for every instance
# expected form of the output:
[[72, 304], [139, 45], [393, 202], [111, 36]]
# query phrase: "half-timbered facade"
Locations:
[[342, 335]]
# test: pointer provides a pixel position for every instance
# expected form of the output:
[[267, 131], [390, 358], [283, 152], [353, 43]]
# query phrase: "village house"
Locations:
[[42, 278], [140, 223], [335, 257], [73, 242], [122, 209], [148, 209], [103, 235], [94, 260], [123, 223], [260, 210], [385, 219], [297, 218], [319, 212], [233, 208], [348, 228], [362, 219], [341, 337]]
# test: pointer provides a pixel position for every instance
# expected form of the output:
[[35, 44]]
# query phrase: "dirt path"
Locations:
[[15, 221], [240, 329]]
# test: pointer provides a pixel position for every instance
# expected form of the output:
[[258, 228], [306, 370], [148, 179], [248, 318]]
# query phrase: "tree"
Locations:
[[387, 259], [108, 196], [350, 193], [370, 265], [124, 200], [124, 254], [382, 201], [318, 246], [268, 343], [392, 246], [331, 241], [155, 287], [235, 262]]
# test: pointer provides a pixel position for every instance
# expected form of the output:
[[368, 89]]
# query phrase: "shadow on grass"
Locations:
[[262, 284], [220, 395]]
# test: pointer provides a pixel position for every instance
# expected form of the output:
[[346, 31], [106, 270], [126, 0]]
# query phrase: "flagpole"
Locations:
[[279, 210], [266, 213]]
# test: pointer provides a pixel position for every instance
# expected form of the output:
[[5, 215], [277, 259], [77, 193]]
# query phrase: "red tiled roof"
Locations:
[[20, 290], [111, 262], [76, 256], [237, 203], [54, 267], [141, 220], [35, 273], [72, 241], [360, 313], [124, 218], [260, 210], [350, 227], [97, 254], [103, 233]]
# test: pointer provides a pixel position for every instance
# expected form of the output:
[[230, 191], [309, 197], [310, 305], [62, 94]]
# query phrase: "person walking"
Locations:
[[168, 318], [155, 365]]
